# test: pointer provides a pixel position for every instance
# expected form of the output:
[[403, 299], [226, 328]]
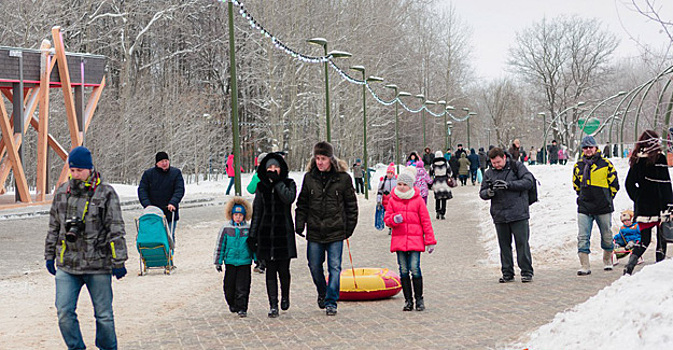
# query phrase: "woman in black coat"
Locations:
[[649, 187], [272, 229]]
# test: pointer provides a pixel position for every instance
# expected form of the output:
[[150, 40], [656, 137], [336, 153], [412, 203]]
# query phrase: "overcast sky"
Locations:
[[496, 22]]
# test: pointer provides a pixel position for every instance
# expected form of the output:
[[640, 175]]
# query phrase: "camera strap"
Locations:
[[93, 185]]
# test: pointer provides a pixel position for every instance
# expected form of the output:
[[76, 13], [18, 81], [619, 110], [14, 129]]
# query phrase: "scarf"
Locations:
[[405, 195], [586, 173]]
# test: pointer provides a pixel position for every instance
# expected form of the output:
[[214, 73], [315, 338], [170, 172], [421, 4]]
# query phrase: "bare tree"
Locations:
[[567, 58]]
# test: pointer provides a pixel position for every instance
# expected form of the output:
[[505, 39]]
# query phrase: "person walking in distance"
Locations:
[[595, 182], [163, 186], [506, 184], [327, 209]]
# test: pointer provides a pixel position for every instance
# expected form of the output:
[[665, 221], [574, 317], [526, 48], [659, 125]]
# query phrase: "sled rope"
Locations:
[[348, 244]]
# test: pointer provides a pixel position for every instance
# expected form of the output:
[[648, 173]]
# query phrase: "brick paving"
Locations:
[[466, 307]]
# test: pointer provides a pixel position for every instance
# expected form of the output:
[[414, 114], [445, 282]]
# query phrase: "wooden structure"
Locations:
[[26, 77]]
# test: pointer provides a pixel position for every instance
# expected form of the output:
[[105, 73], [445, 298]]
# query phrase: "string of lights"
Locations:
[[278, 44]]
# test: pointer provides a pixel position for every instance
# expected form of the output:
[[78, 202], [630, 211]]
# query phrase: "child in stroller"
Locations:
[[628, 236]]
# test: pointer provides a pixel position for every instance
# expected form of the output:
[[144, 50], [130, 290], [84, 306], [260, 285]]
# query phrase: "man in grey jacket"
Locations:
[[506, 184], [86, 242]]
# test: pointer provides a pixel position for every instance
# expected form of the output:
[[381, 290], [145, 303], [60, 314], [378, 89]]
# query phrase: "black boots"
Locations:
[[273, 308], [406, 290], [418, 293], [633, 260]]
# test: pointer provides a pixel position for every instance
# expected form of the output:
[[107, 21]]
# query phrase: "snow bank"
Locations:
[[635, 312]]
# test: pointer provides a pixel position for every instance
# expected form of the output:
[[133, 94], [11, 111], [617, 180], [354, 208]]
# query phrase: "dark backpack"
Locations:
[[532, 192]]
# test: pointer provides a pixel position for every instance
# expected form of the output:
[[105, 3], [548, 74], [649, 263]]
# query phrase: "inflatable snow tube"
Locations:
[[372, 284]]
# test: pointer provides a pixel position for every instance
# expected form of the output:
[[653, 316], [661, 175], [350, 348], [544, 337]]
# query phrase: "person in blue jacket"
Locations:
[[231, 249], [163, 186], [474, 165], [629, 233]]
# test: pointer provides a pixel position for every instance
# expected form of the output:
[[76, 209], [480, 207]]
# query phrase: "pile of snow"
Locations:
[[553, 221], [635, 312]]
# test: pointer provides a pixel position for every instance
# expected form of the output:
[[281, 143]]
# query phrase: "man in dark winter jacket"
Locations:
[[162, 186], [428, 158], [483, 159], [595, 181], [506, 184], [327, 208], [86, 242], [553, 152]]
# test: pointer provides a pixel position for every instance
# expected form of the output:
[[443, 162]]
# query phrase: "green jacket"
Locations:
[[231, 247], [101, 245]]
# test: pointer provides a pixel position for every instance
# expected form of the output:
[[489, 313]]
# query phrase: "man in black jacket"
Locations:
[[162, 186], [327, 207], [506, 184]]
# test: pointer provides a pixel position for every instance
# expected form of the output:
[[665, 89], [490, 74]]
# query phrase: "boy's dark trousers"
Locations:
[[359, 185], [236, 287]]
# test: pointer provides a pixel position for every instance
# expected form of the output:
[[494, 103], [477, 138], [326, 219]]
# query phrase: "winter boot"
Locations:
[[418, 293], [584, 262], [273, 308], [633, 260], [607, 260], [659, 255], [406, 290]]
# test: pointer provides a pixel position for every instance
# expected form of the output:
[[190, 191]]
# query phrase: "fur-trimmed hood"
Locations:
[[238, 200], [261, 170], [340, 165]]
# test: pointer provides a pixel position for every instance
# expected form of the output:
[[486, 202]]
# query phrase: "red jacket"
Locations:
[[415, 232]]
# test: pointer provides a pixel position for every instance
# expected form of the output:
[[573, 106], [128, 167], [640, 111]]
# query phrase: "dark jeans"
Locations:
[[359, 185], [520, 231], [231, 184], [463, 179], [236, 286], [553, 161], [440, 206], [281, 269], [473, 175], [316, 257], [646, 238]]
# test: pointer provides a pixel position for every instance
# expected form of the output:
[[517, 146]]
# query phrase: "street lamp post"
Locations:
[[425, 104], [234, 103], [364, 122], [422, 97], [544, 132], [335, 54], [397, 128], [469, 114], [449, 125]]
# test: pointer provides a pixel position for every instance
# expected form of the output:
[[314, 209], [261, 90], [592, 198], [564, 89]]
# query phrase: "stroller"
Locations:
[[154, 241]]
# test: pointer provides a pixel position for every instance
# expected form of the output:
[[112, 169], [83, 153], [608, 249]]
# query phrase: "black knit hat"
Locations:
[[161, 156], [323, 148]]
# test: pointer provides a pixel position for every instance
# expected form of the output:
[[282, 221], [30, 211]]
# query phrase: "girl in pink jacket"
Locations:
[[407, 215]]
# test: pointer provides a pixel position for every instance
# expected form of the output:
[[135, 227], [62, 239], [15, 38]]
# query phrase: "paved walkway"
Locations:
[[466, 307]]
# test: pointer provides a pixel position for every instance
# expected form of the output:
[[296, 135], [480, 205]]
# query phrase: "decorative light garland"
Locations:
[[322, 59]]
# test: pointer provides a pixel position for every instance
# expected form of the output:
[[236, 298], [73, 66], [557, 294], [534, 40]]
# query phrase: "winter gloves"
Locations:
[[273, 176], [398, 219], [119, 272], [490, 193], [50, 267], [218, 268], [430, 248], [500, 185]]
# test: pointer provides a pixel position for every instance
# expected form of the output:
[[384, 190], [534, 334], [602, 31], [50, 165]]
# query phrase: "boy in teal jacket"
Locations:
[[232, 249]]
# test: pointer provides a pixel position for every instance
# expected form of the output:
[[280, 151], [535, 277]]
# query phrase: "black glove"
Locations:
[[273, 176], [500, 185], [119, 272], [218, 268], [50, 267], [490, 193]]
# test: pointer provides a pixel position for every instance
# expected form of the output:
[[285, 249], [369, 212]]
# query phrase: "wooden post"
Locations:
[[13, 154], [43, 124], [64, 75]]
